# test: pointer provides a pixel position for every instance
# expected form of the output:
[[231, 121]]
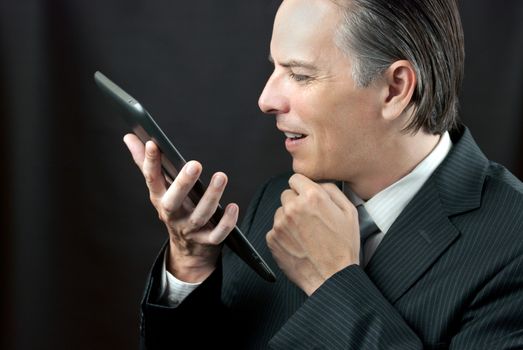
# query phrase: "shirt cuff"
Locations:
[[173, 291]]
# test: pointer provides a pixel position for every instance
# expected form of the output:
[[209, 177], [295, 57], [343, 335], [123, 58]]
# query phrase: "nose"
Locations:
[[272, 99]]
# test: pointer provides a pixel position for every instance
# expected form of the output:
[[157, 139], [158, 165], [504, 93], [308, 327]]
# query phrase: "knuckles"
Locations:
[[285, 218], [270, 239], [164, 216], [166, 207], [278, 225], [285, 196], [352, 211], [214, 240], [226, 228], [290, 211], [279, 220], [313, 197], [196, 222], [149, 178], [295, 178], [307, 202]]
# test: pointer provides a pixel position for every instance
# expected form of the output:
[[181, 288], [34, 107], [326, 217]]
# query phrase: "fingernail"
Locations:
[[218, 181], [232, 209], [149, 146], [192, 169]]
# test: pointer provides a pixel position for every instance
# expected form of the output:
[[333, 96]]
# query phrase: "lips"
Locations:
[[294, 136], [294, 140]]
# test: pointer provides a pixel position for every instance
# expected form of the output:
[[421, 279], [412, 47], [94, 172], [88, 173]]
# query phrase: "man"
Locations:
[[366, 93]]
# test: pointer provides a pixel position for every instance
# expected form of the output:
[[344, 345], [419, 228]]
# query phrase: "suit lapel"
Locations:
[[412, 244], [423, 231]]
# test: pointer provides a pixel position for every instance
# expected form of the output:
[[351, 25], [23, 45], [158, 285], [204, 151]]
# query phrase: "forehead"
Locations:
[[305, 27]]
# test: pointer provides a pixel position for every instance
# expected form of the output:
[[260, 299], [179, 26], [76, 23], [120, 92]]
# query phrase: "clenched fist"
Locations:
[[315, 233]]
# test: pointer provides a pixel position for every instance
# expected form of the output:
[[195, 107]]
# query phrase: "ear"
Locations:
[[400, 81]]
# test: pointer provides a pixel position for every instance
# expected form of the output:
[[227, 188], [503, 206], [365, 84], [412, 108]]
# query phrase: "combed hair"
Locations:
[[427, 33]]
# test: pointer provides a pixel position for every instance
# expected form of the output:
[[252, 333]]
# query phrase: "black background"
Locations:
[[77, 231]]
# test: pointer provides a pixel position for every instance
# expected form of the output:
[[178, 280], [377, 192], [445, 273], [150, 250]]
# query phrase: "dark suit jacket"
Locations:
[[448, 274]]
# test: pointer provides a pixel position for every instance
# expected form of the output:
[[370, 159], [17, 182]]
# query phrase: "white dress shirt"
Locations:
[[384, 208]]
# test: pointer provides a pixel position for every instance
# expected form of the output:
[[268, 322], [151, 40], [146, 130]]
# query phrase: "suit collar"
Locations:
[[461, 176], [423, 230]]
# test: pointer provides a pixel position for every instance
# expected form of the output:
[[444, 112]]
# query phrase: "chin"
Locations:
[[311, 172], [319, 171]]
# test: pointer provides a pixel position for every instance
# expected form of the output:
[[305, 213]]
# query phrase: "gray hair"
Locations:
[[427, 33]]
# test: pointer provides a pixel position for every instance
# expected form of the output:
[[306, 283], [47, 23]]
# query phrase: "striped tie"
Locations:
[[367, 229]]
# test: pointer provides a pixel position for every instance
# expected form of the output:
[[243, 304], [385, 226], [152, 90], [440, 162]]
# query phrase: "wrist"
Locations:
[[190, 268]]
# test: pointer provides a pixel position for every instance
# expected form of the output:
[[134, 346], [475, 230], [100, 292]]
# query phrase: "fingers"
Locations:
[[225, 226], [136, 148], [281, 232], [148, 159], [169, 200], [311, 190], [301, 184], [219, 233], [338, 197], [174, 197], [288, 196], [209, 202], [152, 171]]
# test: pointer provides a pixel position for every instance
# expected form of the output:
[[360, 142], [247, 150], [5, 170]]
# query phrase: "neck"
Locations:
[[398, 156]]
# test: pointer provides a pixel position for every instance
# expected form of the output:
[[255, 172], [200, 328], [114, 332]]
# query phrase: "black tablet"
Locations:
[[144, 126]]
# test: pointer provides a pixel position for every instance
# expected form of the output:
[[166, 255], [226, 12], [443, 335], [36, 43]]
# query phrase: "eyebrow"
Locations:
[[295, 63]]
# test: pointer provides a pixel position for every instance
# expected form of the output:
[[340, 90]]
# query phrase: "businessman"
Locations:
[[421, 249]]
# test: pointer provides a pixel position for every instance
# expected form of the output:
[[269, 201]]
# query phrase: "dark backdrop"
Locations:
[[77, 232]]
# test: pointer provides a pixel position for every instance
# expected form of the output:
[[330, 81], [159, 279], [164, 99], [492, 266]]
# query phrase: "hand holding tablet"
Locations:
[[146, 129]]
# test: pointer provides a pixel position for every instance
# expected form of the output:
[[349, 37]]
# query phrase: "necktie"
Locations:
[[367, 229]]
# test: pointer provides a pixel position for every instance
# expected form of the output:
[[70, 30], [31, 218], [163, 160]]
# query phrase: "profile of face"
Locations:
[[333, 127]]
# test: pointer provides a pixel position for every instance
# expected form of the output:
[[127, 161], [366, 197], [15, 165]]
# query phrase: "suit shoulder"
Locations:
[[501, 209], [491, 235], [504, 189], [503, 179]]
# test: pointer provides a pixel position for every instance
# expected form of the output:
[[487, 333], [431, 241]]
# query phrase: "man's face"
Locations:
[[313, 95]]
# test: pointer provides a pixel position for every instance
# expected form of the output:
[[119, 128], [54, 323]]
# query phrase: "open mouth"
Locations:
[[294, 136]]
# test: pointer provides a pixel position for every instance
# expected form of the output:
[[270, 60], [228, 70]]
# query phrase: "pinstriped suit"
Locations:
[[448, 274]]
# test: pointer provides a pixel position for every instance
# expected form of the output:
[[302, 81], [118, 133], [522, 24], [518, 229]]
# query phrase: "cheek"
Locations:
[[337, 117], [326, 120], [336, 141], [344, 136]]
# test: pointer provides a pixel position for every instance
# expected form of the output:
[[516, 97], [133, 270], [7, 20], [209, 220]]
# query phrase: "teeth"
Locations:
[[293, 135]]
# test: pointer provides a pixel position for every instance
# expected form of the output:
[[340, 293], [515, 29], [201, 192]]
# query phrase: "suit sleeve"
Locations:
[[349, 312], [165, 327], [200, 317], [346, 312]]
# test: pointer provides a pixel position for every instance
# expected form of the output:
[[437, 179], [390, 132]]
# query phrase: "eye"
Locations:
[[299, 77]]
